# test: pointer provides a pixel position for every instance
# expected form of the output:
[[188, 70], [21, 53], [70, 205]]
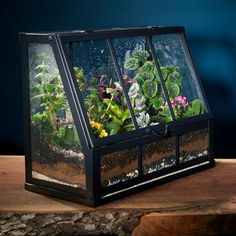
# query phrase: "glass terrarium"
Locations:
[[111, 112]]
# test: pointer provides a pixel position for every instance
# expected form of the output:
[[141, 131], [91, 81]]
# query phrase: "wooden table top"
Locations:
[[209, 192], [212, 190]]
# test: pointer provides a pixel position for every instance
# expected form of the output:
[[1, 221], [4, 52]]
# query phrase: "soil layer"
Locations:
[[63, 172], [194, 144]]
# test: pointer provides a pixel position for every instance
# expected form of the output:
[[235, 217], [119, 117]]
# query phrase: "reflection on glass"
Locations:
[[193, 145], [118, 166], [102, 93], [158, 155], [180, 78], [142, 81], [55, 146]]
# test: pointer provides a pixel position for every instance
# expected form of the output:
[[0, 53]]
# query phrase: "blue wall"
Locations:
[[210, 27]]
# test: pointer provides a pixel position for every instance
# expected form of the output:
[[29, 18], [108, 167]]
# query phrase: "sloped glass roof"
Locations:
[[131, 82]]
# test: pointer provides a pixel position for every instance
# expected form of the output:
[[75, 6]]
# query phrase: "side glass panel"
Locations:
[[55, 146], [179, 75], [159, 155], [118, 166], [193, 145], [97, 80], [142, 81]]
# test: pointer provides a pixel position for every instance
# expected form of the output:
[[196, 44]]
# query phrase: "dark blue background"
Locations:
[[210, 27]]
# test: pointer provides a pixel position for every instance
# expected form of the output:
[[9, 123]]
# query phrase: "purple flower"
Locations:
[[180, 101]]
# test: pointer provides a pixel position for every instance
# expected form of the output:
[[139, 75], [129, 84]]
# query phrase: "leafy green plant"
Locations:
[[94, 105], [132, 64], [146, 94], [48, 96], [118, 116], [196, 108], [137, 59], [105, 104], [107, 109], [149, 88], [79, 74]]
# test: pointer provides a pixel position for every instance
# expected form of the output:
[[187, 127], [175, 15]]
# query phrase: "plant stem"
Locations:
[[108, 107], [52, 117]]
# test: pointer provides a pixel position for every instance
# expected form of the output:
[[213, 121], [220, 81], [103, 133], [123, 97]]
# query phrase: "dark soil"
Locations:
[[194, 145], [118, 166], [59, 164], [123, 165], [158, 155], [44, 152]]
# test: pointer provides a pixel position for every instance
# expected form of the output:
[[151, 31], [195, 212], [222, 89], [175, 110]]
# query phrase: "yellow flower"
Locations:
[[95, 125], [103, 134], [98, 129]]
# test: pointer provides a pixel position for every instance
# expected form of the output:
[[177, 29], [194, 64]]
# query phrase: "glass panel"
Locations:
[[142, 81], [118, 166], [55, 146], [158, 155], [102, 93], [193, 145], [179, 75]]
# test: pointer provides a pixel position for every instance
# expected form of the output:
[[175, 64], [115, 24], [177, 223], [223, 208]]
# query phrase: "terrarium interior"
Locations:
[[107, 108]]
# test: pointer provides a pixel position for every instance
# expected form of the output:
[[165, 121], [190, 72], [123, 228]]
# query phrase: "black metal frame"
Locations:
[[93, 148]]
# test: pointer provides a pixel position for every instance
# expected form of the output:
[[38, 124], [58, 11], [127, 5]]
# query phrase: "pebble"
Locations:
[[90, 227], [109, 216]]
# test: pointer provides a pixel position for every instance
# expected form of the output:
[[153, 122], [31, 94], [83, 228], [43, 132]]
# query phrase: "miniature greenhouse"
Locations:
[[111, 112]]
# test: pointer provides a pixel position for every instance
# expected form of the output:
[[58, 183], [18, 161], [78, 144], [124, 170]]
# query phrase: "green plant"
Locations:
[[94, 105], [105, 104], [196, 108], [49, 100], [146, 94], [118, 119]]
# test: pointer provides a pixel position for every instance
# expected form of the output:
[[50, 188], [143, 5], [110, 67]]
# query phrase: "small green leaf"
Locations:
[[76, 137], [149, 88], [39, 118], [164, 72], [147, 75], [189, 113], [165, 115], [158, 102], [49, 87], [113, 127], [140, 55], [125, 115], [131, 64], [172, 89], [139, 78], [69, 136], [113, 106], [109, 90], [148, 67], [197, 106]]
